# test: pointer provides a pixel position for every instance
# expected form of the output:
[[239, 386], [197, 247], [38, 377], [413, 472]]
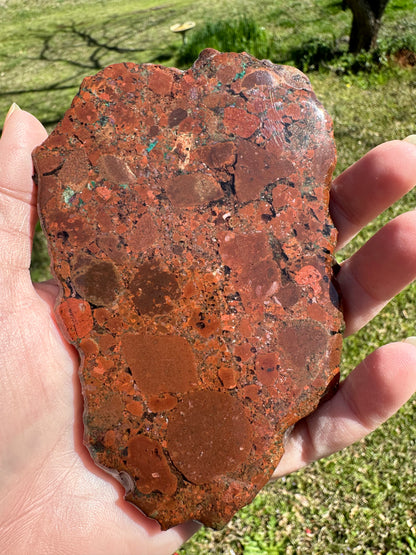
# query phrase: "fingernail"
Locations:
[[411, 139], [411, 340], [13, 108]]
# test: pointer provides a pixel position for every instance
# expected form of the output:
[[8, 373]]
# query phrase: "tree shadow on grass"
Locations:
[[78, 49]]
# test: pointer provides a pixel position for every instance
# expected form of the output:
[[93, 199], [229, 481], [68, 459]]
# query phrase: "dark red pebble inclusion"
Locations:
[[187, 220]]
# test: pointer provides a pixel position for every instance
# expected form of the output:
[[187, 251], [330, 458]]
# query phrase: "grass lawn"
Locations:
[[362, 500]]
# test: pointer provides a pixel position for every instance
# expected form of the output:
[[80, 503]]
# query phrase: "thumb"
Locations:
[[21, 133]]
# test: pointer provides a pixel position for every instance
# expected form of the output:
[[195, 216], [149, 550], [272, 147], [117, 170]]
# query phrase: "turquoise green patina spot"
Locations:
[[151, 146], [68, 195]]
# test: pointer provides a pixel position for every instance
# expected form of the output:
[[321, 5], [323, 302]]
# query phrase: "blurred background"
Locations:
[[360, 56]]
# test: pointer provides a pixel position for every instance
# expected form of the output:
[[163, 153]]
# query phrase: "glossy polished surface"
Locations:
[[187, 220]]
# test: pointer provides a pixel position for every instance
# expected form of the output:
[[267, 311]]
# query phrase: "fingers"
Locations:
[[372, 393], [48, 291], [370, 186], [22, 132], [378, 271]]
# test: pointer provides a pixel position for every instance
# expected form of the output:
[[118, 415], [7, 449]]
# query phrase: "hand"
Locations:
[[52, 497], [368, 280]]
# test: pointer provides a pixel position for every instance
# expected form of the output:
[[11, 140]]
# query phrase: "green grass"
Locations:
[[359, 501], [240, 35]]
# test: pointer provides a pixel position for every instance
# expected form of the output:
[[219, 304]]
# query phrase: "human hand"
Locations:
[[368, 280], [53, 498]]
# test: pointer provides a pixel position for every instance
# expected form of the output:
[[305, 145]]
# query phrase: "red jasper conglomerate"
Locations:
[[187, 220]]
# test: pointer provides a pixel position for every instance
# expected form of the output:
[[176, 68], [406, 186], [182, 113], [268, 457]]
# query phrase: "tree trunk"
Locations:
[[366, 23]]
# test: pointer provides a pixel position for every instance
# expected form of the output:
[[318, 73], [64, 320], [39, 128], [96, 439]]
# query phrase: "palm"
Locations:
[[54, 492], [53, 499]]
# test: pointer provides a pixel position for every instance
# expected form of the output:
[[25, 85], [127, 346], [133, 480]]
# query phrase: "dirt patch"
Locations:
[[405, 57]]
